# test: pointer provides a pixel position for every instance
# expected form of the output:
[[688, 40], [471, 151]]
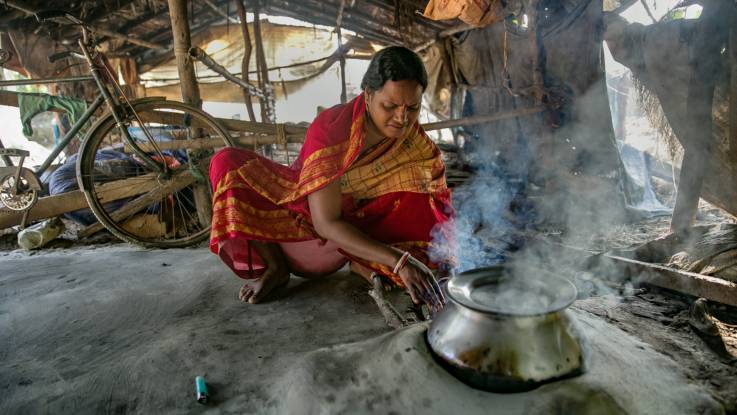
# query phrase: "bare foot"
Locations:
[[256, 291]]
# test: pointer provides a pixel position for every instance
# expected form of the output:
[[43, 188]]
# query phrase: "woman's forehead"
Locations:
[[405, 92]]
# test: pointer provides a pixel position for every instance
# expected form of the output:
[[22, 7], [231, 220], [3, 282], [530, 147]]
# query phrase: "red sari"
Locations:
[[395, 193]]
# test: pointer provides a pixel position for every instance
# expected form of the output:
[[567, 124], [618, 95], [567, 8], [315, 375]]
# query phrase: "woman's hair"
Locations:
[[395, 63]]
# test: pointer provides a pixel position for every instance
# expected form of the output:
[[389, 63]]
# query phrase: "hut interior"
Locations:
[[589, 140]]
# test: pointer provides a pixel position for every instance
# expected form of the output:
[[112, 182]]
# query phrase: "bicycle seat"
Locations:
[[58, 16]]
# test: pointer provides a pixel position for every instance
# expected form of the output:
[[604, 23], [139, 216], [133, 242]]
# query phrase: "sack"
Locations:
[[477, 13]]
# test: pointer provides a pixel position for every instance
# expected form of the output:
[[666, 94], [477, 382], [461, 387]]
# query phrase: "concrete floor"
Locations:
[[118, 329]]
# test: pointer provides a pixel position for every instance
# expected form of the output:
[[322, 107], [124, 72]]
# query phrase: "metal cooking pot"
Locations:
[[504, 334]]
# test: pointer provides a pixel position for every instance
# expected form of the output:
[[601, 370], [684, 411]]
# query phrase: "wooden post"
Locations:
[[733, 92], [190, 89], [245, 63], [343, 93], [263, 69], [534, 36], [182, 43], [704, 55]]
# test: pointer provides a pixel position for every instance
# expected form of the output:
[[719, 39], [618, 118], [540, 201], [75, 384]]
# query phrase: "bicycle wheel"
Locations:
[[132, 198]]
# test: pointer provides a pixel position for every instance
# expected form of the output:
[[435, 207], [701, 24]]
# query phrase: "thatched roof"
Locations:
[[146, 22]]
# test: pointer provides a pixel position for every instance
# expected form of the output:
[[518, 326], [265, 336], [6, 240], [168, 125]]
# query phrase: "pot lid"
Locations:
[[494, 290]]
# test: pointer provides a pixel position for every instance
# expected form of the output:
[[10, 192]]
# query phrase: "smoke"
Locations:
[[482, 231], [507, 215]]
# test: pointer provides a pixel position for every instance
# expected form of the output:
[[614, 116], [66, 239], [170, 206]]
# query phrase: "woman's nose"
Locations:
[[402, 115]]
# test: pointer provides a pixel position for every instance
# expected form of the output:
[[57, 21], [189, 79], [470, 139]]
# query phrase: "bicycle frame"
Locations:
[[103, 76], [105, 81]]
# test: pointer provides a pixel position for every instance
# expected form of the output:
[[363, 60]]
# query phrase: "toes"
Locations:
[[256, 296], [245, 293]]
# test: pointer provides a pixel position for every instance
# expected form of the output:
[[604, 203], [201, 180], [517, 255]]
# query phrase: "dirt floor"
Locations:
[[99, 326], [117, 329]]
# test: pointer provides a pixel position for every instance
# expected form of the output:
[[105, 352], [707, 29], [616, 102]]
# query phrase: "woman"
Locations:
[[368, 187]]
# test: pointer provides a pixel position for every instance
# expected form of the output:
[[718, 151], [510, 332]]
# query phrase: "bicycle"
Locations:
[[142, 159]]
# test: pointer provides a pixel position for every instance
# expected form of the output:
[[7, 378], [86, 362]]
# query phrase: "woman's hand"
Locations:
[[421, 284]]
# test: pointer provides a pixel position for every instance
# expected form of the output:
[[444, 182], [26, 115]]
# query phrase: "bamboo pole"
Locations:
[[245, 63]]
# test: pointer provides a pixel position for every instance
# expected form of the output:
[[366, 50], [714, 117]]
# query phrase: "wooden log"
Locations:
[[690, 283], [50, 206]]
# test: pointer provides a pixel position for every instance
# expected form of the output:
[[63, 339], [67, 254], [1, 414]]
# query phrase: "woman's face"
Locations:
[[395, 107]]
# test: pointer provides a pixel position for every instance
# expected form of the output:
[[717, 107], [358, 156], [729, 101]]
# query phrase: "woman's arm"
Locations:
[[325, 208]]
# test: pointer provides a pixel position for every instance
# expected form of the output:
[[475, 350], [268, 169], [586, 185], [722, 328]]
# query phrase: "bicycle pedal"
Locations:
[[14, 152]]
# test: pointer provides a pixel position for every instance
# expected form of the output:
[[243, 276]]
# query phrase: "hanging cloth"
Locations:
[[31, 105]]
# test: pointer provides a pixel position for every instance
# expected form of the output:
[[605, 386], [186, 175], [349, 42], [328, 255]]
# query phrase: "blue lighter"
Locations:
[[201, 388]]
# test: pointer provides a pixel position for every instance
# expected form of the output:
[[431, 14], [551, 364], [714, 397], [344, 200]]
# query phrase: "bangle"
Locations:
[[401, 263]]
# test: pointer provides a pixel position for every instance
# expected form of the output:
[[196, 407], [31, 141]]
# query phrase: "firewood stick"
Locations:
[[392, 317]]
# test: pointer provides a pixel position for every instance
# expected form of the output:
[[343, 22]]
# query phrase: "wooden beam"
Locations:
[[51, 206], [691, 283], [9, 98]]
